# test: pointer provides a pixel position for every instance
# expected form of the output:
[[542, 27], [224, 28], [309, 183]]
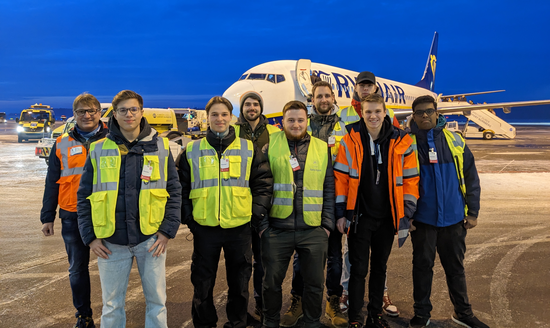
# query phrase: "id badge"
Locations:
[[75, 151], [294, 163], [433, 156], [224, 165], [331, 141], [146, 172]]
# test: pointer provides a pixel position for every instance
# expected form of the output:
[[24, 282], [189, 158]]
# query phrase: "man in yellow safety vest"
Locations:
[[301, 217], [129, 206], [225, 182]]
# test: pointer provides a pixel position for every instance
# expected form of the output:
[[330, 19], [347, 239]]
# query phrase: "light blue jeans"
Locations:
[[114, 274]]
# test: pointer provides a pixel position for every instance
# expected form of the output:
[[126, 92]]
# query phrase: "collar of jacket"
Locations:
[[145, 140], [98, 135], [440, 125], [220, 144], [399, 140]]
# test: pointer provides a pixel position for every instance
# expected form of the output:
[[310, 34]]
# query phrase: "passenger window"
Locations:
[[271, 78], [243, 77], [255, 76], [280, 78]]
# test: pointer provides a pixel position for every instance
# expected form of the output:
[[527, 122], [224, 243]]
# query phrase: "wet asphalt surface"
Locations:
[[506, 263]]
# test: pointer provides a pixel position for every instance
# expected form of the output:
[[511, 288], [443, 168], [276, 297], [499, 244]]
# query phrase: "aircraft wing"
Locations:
[[449, 107], [463, 95]]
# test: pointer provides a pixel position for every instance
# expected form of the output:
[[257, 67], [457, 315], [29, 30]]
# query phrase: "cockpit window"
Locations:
[[273, 78], [255, 76]]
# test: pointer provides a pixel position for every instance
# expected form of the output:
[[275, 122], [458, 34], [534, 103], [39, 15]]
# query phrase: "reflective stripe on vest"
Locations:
[[456, 145], [221, 198], [283, 177], [348, 115], [106, 161], [270, 129], [72, 156], [338, 133]]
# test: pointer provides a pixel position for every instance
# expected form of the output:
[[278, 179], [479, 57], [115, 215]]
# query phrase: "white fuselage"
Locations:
[[266, 80]]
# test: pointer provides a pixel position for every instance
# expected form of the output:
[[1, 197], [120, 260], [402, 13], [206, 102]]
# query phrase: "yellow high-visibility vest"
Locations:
[[221, 196], [283, 178], [106, 161], [338, 133]]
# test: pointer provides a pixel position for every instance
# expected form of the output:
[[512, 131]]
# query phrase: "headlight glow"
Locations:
[[20, 129]]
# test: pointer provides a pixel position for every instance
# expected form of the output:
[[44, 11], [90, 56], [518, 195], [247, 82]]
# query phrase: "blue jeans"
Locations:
[[79, 259], [114, 274]]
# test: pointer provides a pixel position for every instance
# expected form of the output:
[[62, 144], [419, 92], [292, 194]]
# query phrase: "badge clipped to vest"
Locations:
[[147, 171], [331, 141], [294, 163], [432, 156], [224, 165], [75, 151]]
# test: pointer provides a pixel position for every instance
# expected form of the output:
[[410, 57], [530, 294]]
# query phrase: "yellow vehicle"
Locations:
[[35, 122], [161, 119]]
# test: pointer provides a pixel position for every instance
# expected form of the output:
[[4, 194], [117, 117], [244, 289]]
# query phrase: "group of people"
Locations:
[[333, 189]]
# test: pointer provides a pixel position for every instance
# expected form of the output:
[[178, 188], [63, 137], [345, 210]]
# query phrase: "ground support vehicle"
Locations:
[[35, 122]]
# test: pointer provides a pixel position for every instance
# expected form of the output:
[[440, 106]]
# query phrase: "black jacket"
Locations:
[[51, 190], [295, 221], [261, 179], [260, 135], [127, 226]]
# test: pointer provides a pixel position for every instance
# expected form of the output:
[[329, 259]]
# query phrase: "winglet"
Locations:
[[428, 78]]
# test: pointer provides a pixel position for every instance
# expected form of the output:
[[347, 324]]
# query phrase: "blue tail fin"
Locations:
[[428, 78]]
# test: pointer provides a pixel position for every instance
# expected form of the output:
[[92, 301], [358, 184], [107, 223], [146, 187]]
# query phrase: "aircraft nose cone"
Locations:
[[235, 91]]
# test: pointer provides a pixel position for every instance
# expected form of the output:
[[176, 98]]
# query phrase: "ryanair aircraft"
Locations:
[[281, 81]]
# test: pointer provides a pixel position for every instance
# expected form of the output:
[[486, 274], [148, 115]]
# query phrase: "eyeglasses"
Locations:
[[82, 112], [123, 111], [421, 113]]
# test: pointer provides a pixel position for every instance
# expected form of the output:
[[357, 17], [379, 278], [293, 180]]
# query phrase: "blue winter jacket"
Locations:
[[441, 202]]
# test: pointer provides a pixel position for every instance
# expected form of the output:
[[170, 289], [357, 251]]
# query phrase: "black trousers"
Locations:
[[364, 243], [277, 249], [450, 245], [207, 245], [258, 272], [334, 268]]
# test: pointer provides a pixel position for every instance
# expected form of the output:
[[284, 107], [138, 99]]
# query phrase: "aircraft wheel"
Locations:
[[488, 135]]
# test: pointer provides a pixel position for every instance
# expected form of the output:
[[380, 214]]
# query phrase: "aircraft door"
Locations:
[[303, 76]]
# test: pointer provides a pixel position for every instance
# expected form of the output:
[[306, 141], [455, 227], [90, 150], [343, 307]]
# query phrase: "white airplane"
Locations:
[[283, 80]]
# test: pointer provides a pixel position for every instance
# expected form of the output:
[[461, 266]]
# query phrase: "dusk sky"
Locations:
[[181, 53]]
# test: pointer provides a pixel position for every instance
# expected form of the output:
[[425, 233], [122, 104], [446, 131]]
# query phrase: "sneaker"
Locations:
[[84, 322], [388, 307], [294, 312], [355, 324], [417, 322], [471, 322], [344, 302], [333, 312], [376, 321]]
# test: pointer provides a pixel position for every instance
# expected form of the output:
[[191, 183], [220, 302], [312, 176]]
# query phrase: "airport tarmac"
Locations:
[[506, 263]]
